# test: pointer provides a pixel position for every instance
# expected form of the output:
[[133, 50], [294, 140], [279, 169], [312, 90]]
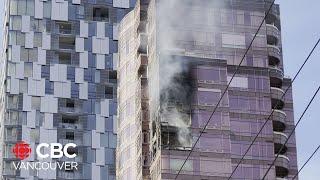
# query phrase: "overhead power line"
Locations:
[[228, 85], [224, 92], [278, 102], [314, 152], [293, 130]]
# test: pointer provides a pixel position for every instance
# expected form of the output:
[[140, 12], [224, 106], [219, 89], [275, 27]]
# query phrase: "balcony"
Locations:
[[276, 76], [70, 110], [273, 34], [142, 63], [277, 178], [279, 140], [277, 96], [274, 51], [278, 119], [143, 43], [273, 18], [282, 166], [77, 126]]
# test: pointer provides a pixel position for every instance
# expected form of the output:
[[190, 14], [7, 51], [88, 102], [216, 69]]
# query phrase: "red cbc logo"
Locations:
[[21, 150]]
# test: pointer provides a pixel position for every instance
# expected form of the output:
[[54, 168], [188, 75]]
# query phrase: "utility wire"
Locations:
[[293, 130], [228, 85], [315, 151], [277, 104]]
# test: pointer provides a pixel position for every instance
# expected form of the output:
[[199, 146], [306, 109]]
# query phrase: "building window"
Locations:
[[35, 103], [13, 101], [70, 103], [113, 76], [15, 23], [100, 13], [11, 71], [175, 164], [47, 9], [66, 42], [64, 58], [16, 38], [23, 86], [28, 69], [37, 25], [234, 41], [28, 55], [69, 120], [108, 92], [64, 27], [37, 41], [70, 135]]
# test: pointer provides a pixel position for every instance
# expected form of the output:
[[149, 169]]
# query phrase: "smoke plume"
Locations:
[[180, 23]]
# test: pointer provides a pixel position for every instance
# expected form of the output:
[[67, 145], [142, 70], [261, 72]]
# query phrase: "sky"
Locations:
[[300, 31]]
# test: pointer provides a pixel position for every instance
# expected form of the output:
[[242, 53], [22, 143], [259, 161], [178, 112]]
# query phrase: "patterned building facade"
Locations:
[[58, 83], [176, 59]]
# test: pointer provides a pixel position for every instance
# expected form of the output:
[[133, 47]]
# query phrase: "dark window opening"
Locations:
[[100, 14], [145, 137], [70, 135], [69, 120], [64, 58], [108, 92], [66, 42], [70, 103], [113, 75]]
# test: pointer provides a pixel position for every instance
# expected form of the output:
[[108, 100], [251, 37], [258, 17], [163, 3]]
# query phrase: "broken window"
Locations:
[[175, 137], [100, 13]]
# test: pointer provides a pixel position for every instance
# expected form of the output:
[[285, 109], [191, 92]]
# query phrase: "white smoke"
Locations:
[[177, 23]]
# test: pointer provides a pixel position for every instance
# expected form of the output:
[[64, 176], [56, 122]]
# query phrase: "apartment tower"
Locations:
[[58, 83], [176, 58]]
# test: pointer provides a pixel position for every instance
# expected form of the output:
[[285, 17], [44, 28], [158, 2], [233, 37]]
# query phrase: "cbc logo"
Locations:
[[56, 150], [22, 150]]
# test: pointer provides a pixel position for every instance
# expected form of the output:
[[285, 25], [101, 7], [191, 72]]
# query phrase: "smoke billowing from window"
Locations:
[[173, 18]]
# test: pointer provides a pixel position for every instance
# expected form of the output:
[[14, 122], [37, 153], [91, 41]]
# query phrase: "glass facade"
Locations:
[[184, 56], [59, 70]]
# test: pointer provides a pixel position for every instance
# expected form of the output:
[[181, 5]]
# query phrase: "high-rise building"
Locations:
[[58, 84], [176, 58]]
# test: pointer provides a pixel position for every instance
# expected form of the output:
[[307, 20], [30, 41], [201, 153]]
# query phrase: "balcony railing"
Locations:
[[66, 46], [280, 137], [274, 49], [273, 34], [278, 119], [76, 126], [277, 93], [70, 109], [277, 98], [276, 76], [282, 166], [143, 41]]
